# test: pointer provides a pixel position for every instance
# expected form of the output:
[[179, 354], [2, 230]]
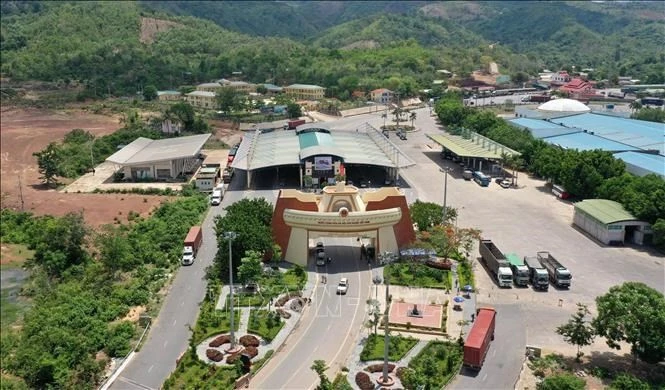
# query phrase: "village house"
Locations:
[[166, 96], [382, 95], [202, 99], [305, 92]]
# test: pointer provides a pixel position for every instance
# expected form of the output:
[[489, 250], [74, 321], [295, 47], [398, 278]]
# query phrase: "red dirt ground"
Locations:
[[25, 131]]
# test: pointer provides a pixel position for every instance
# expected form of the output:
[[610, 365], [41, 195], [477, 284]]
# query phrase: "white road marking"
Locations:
[[165, 342], [150, 369], [174, 321]]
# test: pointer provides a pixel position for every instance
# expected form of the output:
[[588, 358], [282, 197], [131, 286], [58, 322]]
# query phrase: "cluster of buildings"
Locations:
[[205, 94]]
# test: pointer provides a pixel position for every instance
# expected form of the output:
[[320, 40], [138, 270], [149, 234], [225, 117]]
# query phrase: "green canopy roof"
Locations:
[[605, 211]]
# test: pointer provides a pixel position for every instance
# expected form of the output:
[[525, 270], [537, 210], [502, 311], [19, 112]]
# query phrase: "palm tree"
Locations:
[[636, 105], [397, 113]]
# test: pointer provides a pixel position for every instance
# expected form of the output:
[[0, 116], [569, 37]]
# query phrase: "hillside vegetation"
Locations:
[[343, 46]]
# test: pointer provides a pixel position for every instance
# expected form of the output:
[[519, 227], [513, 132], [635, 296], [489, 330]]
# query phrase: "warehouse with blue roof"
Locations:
[[639, 144]]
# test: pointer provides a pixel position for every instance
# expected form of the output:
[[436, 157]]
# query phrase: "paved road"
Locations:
[[329, 326], [169, 336], [504, 356]]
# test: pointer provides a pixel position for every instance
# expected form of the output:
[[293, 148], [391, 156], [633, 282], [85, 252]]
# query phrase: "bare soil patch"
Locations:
[[14, 254], [150, 27], [25, 131]]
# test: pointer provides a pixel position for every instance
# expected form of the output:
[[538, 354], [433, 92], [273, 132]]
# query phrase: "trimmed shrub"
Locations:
[[282, 300], [285, 314], [443, 264], [214, 355], [249, 341], [219, 341], [364, 381], [251, 352]]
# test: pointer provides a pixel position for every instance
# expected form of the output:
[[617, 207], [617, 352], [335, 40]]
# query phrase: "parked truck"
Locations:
[[520, 270], [292, 124], [537, 273], [496, 262], [540, 98], [559, 275], [478, 342], [192, 244]]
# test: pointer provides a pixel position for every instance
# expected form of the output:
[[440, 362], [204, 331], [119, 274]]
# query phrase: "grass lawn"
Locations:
[[399, 346], [191, 373], [212, 321], [465, 274], [417, 275], [265, 324], [341, 383], [437, 363]]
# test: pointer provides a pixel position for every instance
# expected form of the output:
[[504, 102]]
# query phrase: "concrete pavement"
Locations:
[[328, 327]]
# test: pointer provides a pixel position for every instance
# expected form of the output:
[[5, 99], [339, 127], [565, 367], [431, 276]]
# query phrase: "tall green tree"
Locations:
[[293, 110], [634, 313], [226, 100], [250, 269], [48, 163], [61, 244], [150, 92], [426, 214], [115, 250], [578, 331], [250, 219]]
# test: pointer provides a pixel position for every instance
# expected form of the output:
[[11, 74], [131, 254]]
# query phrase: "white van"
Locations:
[[216, 197]]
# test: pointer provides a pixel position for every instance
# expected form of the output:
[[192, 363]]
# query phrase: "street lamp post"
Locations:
[[230, 236], [377, 280], [386, 341], [445, 192]]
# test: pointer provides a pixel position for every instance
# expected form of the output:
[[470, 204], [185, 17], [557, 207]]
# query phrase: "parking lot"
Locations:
[[523, 220]]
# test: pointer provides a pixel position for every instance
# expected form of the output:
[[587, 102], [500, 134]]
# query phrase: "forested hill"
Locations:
[[618, 38], [118, 48], [293, 19]]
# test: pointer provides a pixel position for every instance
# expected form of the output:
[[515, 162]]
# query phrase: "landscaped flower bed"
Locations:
[[440, 264], [364, 381], [285, 314], [251, 352], [379, 368], [219, 341], [232, 358], [214, 355], [249, 341], [282, 300]]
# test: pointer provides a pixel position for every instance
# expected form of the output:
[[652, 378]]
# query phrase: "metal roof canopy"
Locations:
[[476, 145], [365, 146], [605, 211], [144, 150]]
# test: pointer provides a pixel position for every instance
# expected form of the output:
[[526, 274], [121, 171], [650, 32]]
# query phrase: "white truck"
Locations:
[[538, 273], [560, 276]]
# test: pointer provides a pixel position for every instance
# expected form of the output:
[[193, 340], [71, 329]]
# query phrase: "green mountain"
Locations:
[[292, 19]]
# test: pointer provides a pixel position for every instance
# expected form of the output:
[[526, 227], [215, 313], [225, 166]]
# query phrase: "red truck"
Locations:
[[192, 244], [478, 342], [292, 124]]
